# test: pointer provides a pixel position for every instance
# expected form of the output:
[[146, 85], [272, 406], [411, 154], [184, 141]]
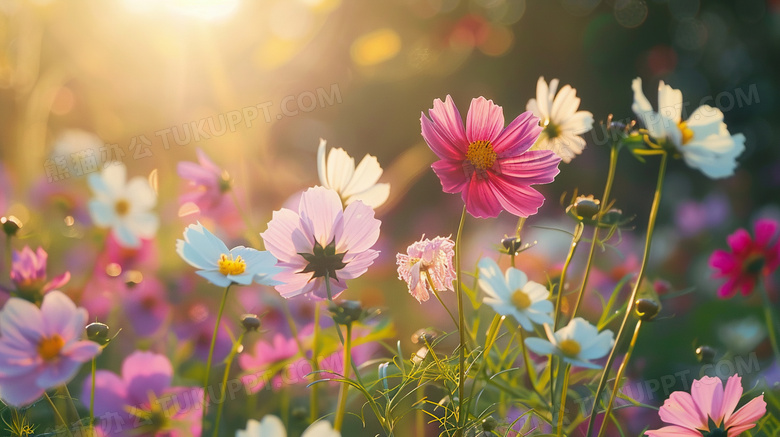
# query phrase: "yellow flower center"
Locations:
[[49, 347], [122, 207], [481, 154], [520, 300], [687, 133], [569, 347], [230, 266], [551, 129]]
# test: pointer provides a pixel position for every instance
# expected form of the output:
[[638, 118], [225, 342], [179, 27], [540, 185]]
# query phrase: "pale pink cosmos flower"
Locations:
[[40, 348], [208, 184], [709, 410], [426, 259], [320, 240], [263, 363], [28, 272], [491, 166]]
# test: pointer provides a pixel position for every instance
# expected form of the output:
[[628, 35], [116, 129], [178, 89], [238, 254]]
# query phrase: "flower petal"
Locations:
[[449, 123], [519, 136], [481, 201], [452, 175], [731, 395], [484, 121], [748, 415], [680, 409]]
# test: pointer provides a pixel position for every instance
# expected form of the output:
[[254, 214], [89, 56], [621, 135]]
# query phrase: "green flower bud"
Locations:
[[647, 309], [512, 245], [705, 354], [11, 225], [250, 322], [98, 332], [489, 424], [346, 312]]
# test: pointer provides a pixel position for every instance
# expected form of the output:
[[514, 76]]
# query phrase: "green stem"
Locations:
[[223, 399], [631, 301], [59, 416], [344, 386], [313, 408], [564, 390], [338, 330], [461, 328], [211, 355], [66, 392], [613, 156], [770, 324], [619, 375], [574, 243], [92, 398], [436, 293], [419, 417], [531, 375]]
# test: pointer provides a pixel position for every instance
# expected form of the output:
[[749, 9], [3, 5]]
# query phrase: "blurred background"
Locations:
[[256, 83]]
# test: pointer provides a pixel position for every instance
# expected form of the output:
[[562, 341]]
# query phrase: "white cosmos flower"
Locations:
[[514, 295], [338, 173], [703, 139], [563, 123], [271, 426], [124, 206], [577, 343]]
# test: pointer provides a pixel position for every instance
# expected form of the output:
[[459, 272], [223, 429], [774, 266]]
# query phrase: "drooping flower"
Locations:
[[703, 139], [124, 206], [321, 240], [209, 185], [749, 259], [28, 272], [272, 426], [709, 410], [427, 259], [141, 401], [40, 348], [577, 343], [338, 173], [491, 166], [222, 266], [563, 123], [512, 294], [263, 364]]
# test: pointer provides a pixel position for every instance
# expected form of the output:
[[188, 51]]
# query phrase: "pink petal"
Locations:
[[277, 238], [452, 175], [765, 230], [57, 372], [519, 136], [145, 372], [21, 390], [357, 264], [21, 323], [731, 396], [681, 410], [449, 123], [61, 317], [323, 207], [673, 431], [723, 261], [81, 351], [484, 121], [747, 284], [739, 241], [440, 144], [707, 394], [728, 290], [533, 167], [481, 201], [517, 199], [360, 230], [56, 282], [748, 414]]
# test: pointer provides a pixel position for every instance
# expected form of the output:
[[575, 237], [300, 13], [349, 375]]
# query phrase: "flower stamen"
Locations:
[[570, 347], [687, 133], [230, 266], [122, 207], [520, 299], [49, 347], [481, 154]]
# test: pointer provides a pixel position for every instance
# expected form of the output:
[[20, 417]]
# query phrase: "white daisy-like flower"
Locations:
[[703, 139], [514, 295], [563, 123], [577, 343], [272, 426], [338, 172], [124, 206]]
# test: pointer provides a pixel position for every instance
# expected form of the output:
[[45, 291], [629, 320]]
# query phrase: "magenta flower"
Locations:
[[488, 164], [28, 272], [321, 239], [40, 348], [749, 259], [426, 259], [709, 410], [141, 402], [208, 185], [264, 364]]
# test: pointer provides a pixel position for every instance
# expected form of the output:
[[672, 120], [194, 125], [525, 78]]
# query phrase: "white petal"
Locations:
[[321, 166], [670, 102], [542, 98], [365, 176], [140, 195], [565, 104], [341, 167], [515, 279], [540, 346], [374, 197]]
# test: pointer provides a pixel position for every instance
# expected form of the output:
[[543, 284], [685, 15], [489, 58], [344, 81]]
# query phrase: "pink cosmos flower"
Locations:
[[709, 410], [146, 306], [264, 363], [748, 260], [209, 184], [321, 239], [40, 348], [488, 164], [427, 257], [28, 272]]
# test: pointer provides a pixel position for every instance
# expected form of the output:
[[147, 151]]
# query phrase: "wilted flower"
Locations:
[[577, 343], [514, 295], [41, 348], [427, 259], [709, 410], [28, 272], [321, 239], [703, 139], [272, 426], [488, 164], [123, 206], [338, 173], [561, 120], [222, 266], [749, 259]]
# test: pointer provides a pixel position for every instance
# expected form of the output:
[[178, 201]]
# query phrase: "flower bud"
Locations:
[[584, 209], [11, 225], [250, 322], [489, 424], [612, 217], [512, 245], [647, 309], [98, 332], [346, 312], [705, 354], [424, 336]]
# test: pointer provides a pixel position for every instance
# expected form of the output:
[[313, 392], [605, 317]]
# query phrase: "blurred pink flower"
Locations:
[[41, 348], [748, 260], [146, 306], [198, 327], [208, 186], [709, 410], [321, 238], [28, 272], [262, 365], [488, 164], [432, 258]]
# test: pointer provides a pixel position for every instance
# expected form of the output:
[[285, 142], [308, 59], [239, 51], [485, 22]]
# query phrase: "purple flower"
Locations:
[[40, 348], [431, 258], [141, 402], [28, 272], [321, 239], [146, 305], [199, 327]]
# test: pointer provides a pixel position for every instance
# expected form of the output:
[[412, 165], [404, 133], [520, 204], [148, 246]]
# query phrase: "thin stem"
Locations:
[[436, 293], [313, 409], [461, 328], [338, 330], [564, 390], [211, 354], [613, 156], [229, 362], [344, 386], [66, 392], [92, 398], [419, 417], [574, 243], [631, 301], [770, 324], [57, 413], [619, 375]]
